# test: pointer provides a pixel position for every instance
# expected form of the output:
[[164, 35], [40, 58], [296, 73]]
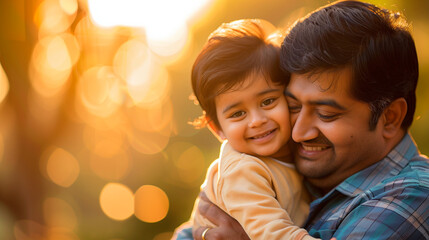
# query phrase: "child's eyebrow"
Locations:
[[229, 107], [259, 94], [269, 91]]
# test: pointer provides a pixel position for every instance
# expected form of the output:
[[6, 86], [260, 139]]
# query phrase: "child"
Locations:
[[238, 83]]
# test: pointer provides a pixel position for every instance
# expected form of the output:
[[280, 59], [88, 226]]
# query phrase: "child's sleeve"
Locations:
[[245, 188]]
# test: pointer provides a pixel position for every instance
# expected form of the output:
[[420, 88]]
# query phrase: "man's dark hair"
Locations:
[[375, 43]]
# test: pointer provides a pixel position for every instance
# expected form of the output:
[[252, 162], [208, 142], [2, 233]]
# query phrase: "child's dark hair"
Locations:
[[233, 52]]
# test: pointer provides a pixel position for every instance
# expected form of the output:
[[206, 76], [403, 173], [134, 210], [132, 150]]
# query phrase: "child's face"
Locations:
[[255, 117]]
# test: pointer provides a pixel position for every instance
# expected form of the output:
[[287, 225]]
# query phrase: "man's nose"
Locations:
[[257, 119], [304, 128]]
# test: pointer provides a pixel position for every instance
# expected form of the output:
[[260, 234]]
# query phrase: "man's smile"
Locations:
[[313, 148]]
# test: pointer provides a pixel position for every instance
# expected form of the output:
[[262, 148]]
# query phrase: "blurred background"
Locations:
[[95, 104]]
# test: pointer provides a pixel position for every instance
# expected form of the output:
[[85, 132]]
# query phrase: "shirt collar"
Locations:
[[389, 166]]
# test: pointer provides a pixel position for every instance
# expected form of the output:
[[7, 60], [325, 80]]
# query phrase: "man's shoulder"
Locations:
[[416, 172], [414, 178]]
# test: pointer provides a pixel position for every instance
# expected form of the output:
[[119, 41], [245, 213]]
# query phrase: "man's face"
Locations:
[[331, 128]]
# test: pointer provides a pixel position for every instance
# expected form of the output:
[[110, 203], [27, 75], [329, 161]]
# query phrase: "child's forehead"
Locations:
[[250, 83], [247, 82]]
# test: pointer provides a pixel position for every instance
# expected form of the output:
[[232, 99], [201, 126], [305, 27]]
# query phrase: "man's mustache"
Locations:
[[320, 139]]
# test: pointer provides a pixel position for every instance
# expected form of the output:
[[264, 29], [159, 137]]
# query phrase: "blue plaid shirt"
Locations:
[[388, 200]]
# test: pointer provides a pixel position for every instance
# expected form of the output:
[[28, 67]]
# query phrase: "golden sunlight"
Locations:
[[167, 43], [51, 64], [69, 6], [137, 13], [152, 118], [129, 57], [151, 204], [99, 91], [117, 201], [62, 167], [149, 83], [147, 80], [149, 142], [4, 84], [92, 137], [165, 21], [55, 16]]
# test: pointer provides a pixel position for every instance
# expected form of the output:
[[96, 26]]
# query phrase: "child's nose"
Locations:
[[257, 119]]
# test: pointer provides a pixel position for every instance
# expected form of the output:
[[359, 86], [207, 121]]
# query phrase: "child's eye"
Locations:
[[237, 114], [268, 101]]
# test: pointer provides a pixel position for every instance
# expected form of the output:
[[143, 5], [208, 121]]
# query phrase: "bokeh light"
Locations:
[[154, 117], [109, 161], [59, 214], [135, 13], [165, 21], [55, 16], [62, 167], [149, 142], [69, 6], [167, 43], [4, 84], [146, 78], [189, 162], [117, 201], [51, 63], [95, 111], [99, 91], [151, 204]]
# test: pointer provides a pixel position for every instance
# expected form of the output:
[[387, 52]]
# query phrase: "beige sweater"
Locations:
[[264, 195]]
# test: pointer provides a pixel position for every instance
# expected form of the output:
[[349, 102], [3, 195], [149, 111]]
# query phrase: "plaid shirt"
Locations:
[[388, 200]]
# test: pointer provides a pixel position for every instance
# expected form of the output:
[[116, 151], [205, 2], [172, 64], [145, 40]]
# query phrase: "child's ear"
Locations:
[[215, 129], [393, 116]]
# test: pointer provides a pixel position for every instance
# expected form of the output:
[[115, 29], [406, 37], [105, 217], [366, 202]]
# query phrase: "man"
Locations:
[[352, 100]]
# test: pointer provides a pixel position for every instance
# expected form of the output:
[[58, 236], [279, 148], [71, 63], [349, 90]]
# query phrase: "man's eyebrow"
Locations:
[[327, 102], [289, 94]]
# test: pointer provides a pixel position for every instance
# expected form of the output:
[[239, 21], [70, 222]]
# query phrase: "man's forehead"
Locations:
[[336, 81]]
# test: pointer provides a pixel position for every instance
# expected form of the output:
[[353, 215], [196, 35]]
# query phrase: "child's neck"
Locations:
[[284, 154]]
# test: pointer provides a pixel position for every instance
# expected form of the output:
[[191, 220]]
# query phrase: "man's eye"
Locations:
[[237, 114], [268, 101], [328, 117], [294, 109]]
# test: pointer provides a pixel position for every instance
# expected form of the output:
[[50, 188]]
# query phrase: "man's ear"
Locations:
[[215, 130], [393, 116]]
